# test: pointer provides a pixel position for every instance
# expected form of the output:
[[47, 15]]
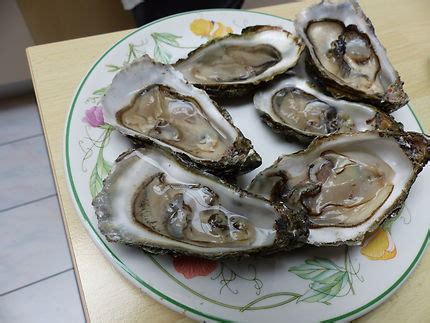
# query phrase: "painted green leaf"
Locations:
[[307, 271], [100, 171], [96, 182], [319, 275], [106, 168], [329, 277], [323, 292], [113, 68], [96, 95], [100, 91], [317, 269], [166, 38], [322, 262], [161, 55], [107, 127], [101, 168], [131, 52]]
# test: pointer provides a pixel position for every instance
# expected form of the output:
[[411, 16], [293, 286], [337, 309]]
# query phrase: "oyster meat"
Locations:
[[347, 56], [235, 64], [153, 201], [346, 183], [152, 102], [295, 107]]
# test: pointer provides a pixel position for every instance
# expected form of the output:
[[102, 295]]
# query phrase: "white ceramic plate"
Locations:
[[309, 284]]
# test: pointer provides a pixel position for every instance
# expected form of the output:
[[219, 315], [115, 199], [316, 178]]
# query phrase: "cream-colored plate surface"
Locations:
[[309, 284]]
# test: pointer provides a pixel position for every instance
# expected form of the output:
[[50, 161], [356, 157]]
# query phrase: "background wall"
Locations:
[[56, 20], [24, 23], [14, 38]]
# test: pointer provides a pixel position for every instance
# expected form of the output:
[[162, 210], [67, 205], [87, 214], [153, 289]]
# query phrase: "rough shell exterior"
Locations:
[[292, 227], [385, 121], [241, 157], [350, 13], [416, 148], [241, 89]]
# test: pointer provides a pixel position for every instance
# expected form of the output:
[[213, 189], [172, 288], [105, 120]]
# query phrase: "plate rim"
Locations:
[[134, 278]]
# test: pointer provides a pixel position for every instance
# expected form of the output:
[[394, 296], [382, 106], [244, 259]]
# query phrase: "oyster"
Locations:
[[235, 64], [295, 107], [152, 102], [347, 183], [153, 201], [347, 56]]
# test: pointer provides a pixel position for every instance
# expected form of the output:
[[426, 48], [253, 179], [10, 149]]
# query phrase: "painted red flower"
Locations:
[[191, 267], [94, 117]]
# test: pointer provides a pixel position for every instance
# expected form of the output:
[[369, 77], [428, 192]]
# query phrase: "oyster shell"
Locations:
[[347, 183], [152, 102], [347, 56], [153, 201], [235, 64], [296, 107]]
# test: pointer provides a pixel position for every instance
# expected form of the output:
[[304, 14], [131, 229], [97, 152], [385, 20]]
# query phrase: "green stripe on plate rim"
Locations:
[[131, 273]]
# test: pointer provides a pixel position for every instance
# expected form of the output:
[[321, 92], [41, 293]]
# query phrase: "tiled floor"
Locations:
[[37, 281]]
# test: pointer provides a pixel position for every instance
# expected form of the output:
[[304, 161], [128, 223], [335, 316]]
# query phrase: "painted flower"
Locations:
[[206, 28], [379, 246], [94, 117], [202, 27], [221, 31], [192, 267]]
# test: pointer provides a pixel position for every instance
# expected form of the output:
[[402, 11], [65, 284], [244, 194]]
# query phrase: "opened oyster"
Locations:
[[347, 183], [347, 56], [152, 102], [152, 201], [295, 107], [234, 64]]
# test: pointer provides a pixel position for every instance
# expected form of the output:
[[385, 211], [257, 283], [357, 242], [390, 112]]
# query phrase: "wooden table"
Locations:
[[404, 29]]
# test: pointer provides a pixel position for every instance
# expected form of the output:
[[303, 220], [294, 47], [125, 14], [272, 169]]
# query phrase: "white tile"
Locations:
[[33, 244], [53, 300], [19, 118], [25, 172]]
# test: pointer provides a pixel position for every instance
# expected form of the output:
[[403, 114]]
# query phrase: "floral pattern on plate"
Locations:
[[345, 281]]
